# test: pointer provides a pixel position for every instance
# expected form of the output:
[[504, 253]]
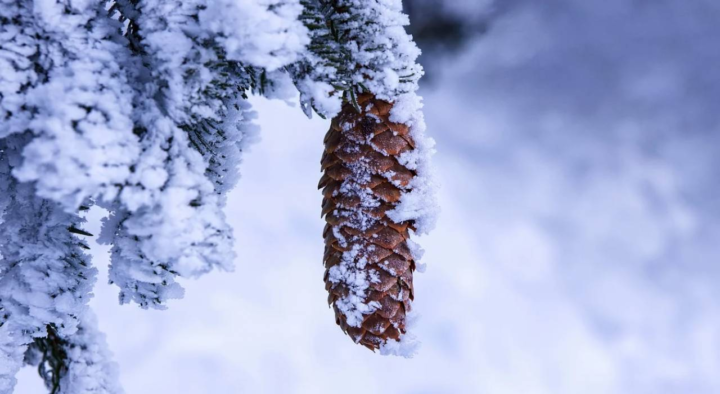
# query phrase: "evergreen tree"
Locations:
[[141, 108]]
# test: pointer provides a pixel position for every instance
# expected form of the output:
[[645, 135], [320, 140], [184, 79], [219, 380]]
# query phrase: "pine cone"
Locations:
[[368, 263]]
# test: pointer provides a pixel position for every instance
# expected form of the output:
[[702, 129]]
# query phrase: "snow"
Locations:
[[45, 277], [84, 143], [408, 345], [90, 365], [264, 33], [352, 273]]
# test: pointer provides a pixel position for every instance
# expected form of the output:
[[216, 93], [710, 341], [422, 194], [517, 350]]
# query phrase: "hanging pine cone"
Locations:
[[368, 263]]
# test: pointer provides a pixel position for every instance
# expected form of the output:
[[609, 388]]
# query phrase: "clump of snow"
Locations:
[[352, 274], [262, 33], [408, 344], [320, 94], [420, 202]]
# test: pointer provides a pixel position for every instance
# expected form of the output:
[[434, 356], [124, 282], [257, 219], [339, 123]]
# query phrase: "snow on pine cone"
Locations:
[[369, 266]]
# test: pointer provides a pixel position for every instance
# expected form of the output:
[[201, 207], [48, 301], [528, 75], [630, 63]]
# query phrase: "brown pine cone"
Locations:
[[368, 263]]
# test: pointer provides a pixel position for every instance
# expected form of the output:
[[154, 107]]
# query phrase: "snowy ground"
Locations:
[[577, 251]]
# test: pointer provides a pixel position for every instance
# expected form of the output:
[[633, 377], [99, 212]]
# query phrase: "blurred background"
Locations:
[[578, 146]]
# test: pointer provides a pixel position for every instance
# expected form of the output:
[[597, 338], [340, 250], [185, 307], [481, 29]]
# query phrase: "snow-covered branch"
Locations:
[[141, 108], [45, 275]]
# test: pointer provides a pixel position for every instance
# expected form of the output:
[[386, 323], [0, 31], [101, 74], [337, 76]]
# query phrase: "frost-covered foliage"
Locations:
[[260, 33], [78, 364], [72, 95], [18, 71], [357, 45], [140, 107], [45, 276], [324, 74], [193, 121]]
